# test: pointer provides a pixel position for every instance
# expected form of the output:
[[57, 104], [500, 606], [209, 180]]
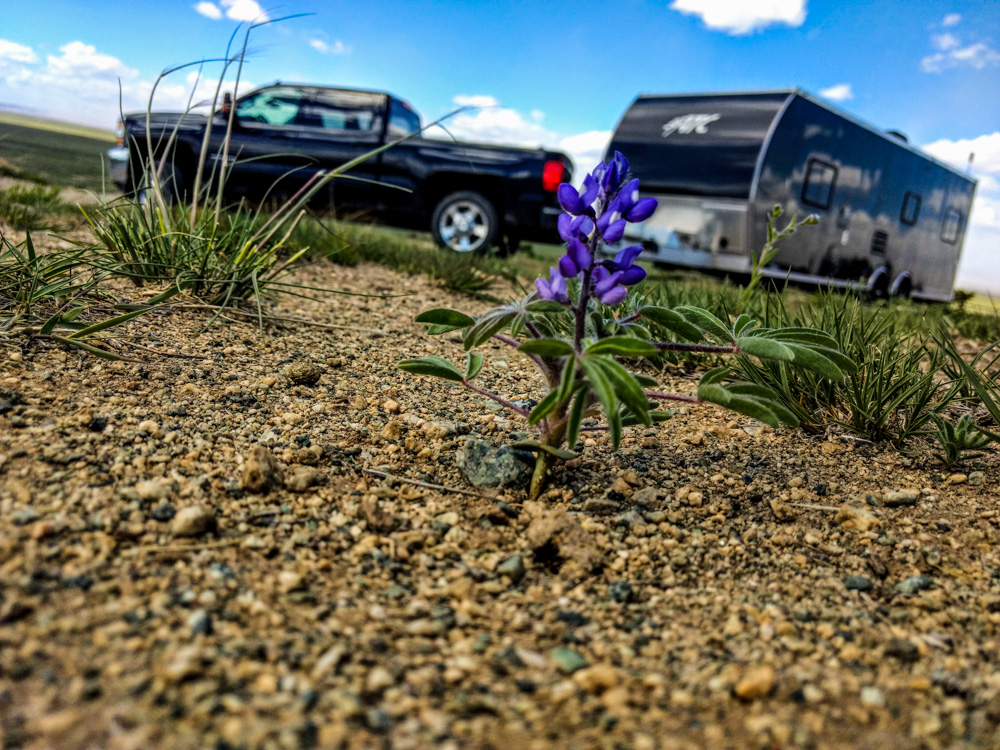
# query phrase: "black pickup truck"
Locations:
[[470, 196]]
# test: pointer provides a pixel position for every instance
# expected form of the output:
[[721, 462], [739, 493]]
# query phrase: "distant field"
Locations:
[[62, 154]]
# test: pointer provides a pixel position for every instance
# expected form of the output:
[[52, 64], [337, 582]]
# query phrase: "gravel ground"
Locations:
[[192, 556]]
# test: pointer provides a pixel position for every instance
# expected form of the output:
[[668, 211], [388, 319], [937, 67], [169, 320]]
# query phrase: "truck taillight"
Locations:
[[120, 134], [552, 175]]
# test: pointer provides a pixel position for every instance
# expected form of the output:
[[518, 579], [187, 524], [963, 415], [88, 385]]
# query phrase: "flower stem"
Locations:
[[499, 399]]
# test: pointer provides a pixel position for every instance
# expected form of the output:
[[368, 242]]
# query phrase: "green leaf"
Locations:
[[576, 413], [534, 445], [714, 375], [801, 336], [714, 393], [545, 306], [109, 323], [622, 346], [644, 380], [765, 348], [567, 381], [437, 330], [102, 353], [741, 322], [49, 325], [628, 389], [755, 409], [433, 366], [443, 316], [605, 393], [544, 407], [546, 347], [812, 359], [671, 321], [488, 326], [473, 365], [629, 420], [707, 322]]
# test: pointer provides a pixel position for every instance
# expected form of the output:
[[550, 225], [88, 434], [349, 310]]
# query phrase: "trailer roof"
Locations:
[[827, 106]]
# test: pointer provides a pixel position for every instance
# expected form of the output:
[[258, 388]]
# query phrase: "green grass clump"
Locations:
[[60, 158], [31, 206]]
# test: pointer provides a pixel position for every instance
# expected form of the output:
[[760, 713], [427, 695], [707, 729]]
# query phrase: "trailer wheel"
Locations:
[[465, 222], [878, 284], [902, 287]]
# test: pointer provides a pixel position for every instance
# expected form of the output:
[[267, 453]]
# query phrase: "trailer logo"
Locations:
[[687, 124]]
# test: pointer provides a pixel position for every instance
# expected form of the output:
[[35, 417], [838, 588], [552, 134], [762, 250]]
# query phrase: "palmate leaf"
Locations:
[[436, 367], [826, 361], [707, 322], [748, 399], [442, 320], [488, 326], [672, 321], [547, 347], [622, 346]]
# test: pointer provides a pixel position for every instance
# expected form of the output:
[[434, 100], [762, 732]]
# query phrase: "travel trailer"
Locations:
[[892, 219]]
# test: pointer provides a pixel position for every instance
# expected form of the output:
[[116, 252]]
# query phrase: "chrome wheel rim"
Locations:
[[463, 227]]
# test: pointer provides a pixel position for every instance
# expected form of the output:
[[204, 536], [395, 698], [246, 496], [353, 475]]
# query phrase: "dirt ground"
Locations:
[[193, 555]]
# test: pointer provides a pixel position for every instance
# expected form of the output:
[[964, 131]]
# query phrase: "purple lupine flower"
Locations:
[[632, 207], [610, 223], [612, 173], [554, 289], [579, 227], [607, 286], [579, 203]]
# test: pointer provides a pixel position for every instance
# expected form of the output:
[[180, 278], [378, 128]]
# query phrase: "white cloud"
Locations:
[[244, 10], [16, 53], [462, 100], [978, 56], [492, 123], [978, 269], [741, 16], [838, 93], [337, 48], [209, 10], [944, 42], [952, 19], [237, 10]]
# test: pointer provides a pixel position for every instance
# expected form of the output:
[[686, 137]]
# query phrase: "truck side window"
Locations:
[[911, 208], [817, 189], [402, 121], [328, 116], [270, 107], [951, 226]]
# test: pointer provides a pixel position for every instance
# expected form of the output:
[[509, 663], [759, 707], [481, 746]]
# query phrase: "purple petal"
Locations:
[[588, 194], [622, 163], [632, 275], [601, 287], [579, 254], [558, 286], [565, 226], [614, 232], [600, 274], [582, 226], [626, 257], [569, 199], [544, 290], [567, 267], [642, 210], [629, 195], [614, 296]]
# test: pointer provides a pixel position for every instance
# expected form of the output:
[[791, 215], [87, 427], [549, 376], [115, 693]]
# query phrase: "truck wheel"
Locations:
[[171, 185], [878, 284], [902, 287], [465, 222]]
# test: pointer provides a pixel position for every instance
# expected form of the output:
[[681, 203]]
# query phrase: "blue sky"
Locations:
[[555, 74]]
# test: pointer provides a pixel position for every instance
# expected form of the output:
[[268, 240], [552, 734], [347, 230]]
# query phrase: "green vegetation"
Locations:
[[26, 206], [60, 158]]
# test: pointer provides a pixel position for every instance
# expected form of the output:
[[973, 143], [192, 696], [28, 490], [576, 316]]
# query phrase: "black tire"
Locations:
[[878, 285], [171, 185], [902, 287], [465, 222]]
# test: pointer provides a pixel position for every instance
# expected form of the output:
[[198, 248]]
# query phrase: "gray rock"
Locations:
[[902, 649], [303, 479], [911, 586], [200, 623], [977, 478], [485, 466], [647, 497], [872, 696], [599, 506], [901, 498], [620, 591], [25, 516], [567, 660], [163, 512], [512, 567], [261, 471], [858, 583]]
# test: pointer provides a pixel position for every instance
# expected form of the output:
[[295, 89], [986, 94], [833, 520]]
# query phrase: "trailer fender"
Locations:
[[878, 283], [902, 286]]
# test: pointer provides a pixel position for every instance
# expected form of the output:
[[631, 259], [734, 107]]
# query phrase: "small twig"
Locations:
[[428, 485], [499, 399], [673, 397], [158, 549], [813, 506]]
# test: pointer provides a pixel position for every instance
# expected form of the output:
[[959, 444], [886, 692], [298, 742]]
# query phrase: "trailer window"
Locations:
[[911, 208], [817, 190], [951, 226]]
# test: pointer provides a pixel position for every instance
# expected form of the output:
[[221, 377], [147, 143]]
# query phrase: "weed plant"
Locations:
[[31, 206]]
